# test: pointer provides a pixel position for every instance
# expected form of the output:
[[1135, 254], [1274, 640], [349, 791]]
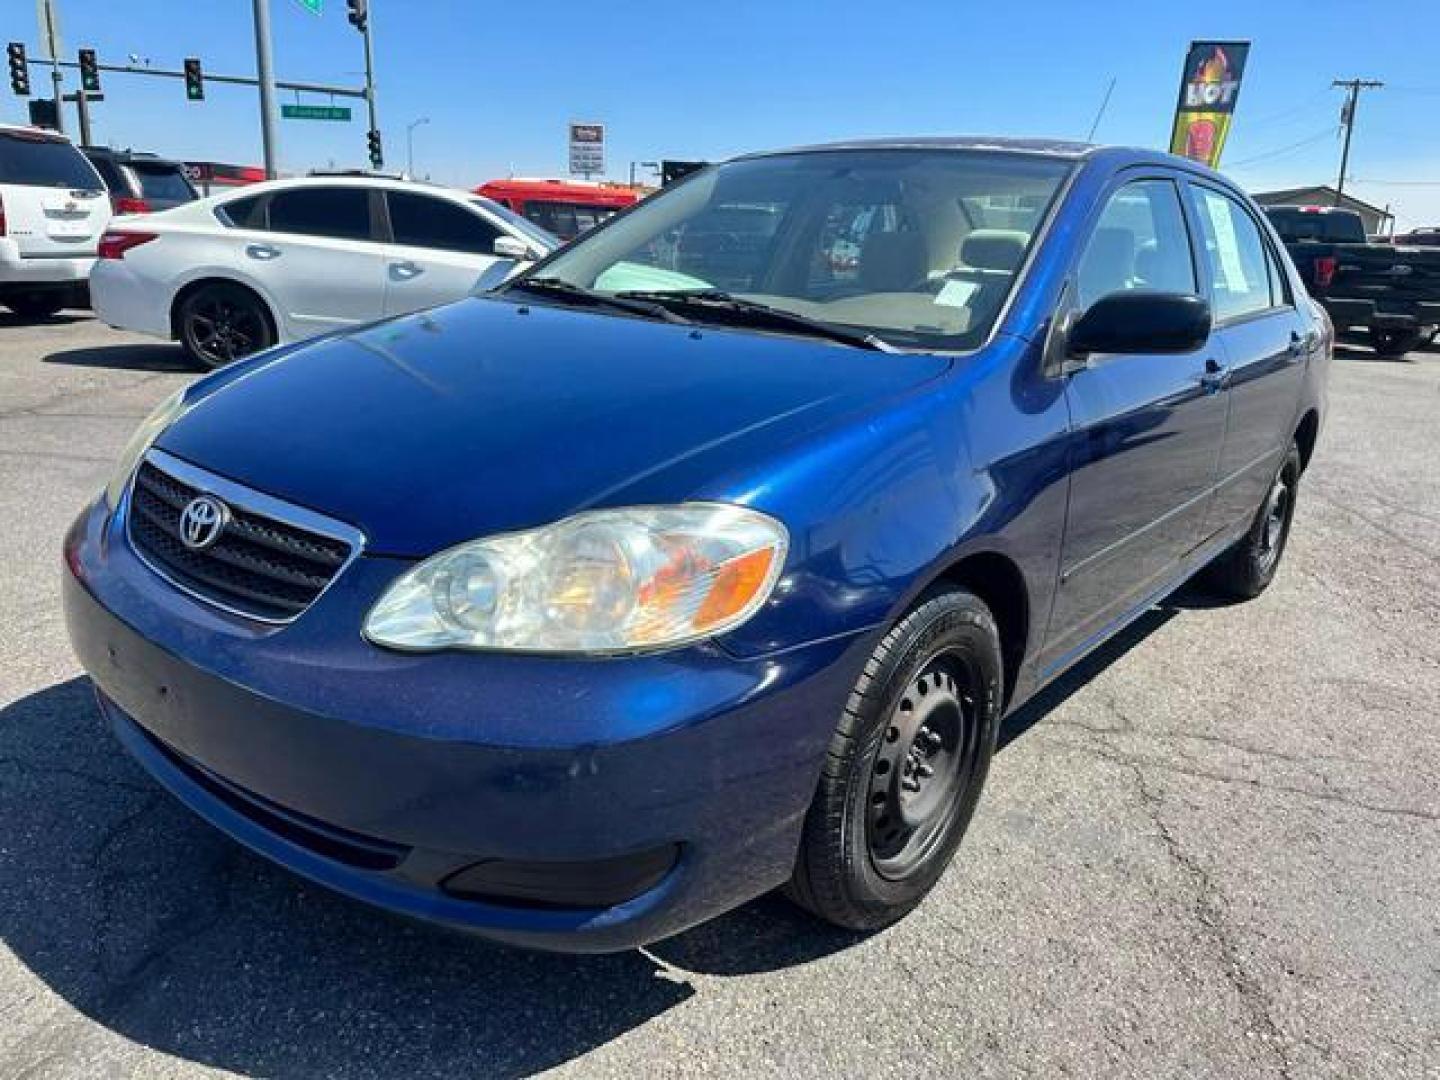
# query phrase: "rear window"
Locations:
[[1298, 226], [163, 182], [41, 161]]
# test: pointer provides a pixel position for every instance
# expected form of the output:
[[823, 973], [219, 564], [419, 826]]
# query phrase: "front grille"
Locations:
[[260, 566]]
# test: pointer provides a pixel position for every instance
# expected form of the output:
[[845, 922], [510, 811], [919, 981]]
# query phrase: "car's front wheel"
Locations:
[[220, 323], [905, 766]]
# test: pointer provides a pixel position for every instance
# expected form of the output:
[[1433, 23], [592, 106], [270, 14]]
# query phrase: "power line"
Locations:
[[1328, 133]]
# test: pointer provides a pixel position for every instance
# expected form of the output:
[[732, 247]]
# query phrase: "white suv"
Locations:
[[290, 259], [53, 209]]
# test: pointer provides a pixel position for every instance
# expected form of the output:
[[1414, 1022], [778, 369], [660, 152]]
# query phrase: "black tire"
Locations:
[[929, 698], [1246, 570], [36, 305], [222, 322], [1393, 343]]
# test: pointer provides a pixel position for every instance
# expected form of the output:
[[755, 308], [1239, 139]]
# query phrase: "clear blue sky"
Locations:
[[699, 79]]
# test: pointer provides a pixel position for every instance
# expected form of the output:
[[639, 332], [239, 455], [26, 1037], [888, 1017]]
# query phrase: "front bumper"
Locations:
[[445, 760]]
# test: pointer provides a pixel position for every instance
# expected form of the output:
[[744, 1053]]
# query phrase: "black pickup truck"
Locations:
[[1391, 291]]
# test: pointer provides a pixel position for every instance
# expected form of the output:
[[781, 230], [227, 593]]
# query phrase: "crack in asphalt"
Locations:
[[1114, 755], [1208, 905], [25, 767]]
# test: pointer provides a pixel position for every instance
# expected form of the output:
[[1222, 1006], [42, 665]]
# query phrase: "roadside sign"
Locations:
[[315, 112], [314, 7], [587, 149]]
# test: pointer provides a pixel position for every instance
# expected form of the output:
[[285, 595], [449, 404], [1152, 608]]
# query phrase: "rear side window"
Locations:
[[337, 212], [41, 161], [420, 221], [240, 213], [1140, 242], [164, 182], [1234, 253]]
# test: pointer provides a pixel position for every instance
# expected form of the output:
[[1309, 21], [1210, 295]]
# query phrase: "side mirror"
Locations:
[[510, 247], [1141, 322]]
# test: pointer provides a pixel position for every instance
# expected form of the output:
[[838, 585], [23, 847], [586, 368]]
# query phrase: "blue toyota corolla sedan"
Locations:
[[706, 556]]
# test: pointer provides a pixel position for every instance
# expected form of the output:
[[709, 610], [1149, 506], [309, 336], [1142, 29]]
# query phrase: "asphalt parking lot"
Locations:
[[1212, 851]]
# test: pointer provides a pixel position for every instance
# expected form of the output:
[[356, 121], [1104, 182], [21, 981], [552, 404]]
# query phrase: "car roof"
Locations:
[[1068, 150], [31, 130], [382, 182], [128, 157], [1049, 147]]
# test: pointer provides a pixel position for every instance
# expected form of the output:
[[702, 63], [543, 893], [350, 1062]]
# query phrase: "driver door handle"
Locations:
[[406, 270], [262, 251], [1215, 377]]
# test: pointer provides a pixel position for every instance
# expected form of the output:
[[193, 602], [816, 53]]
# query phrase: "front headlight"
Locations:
[[145, 435], [602, 582]]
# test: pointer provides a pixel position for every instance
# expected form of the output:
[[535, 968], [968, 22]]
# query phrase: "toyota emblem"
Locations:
[[202, 521]]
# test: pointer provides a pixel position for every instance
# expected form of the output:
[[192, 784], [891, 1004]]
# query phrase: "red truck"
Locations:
[[566, 208]]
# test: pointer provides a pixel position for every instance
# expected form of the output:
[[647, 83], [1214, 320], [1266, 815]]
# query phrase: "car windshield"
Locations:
[[536, 235], [918, 247], [44, 161]]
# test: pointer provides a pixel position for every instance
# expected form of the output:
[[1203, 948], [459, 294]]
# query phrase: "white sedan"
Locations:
[[290, 259]]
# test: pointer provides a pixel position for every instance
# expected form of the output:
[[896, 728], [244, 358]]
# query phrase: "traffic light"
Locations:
[[19, 69], [377, 155], [359, 13], [194, 80], [89, 71]]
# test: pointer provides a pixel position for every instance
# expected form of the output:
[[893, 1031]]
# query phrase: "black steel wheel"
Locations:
[[905, 767], [221, 323], [1247, 568], [923, 766]]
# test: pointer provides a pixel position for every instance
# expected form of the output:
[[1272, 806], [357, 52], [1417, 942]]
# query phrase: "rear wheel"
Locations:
[[1247, 569], [1393, 343], [905, 766], [221, 323], [36, 305]]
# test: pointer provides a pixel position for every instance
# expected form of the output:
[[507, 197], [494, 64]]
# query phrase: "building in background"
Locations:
[[1378, 222]]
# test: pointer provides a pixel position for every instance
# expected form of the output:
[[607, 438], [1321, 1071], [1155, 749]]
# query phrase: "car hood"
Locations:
[[487, 416]]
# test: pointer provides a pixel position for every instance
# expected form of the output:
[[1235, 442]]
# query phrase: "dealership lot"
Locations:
[[1213, 850]]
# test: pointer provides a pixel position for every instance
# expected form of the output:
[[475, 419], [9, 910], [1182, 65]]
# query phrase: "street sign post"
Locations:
[[587, 149], [315, 112]]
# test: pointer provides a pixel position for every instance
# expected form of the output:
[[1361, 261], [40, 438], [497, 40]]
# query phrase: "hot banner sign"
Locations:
[[1209, 88]]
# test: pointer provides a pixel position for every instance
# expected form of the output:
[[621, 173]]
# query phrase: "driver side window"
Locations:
[[1140, 242]]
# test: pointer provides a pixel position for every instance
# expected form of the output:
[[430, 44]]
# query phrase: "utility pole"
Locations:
[[366, 30], [47, 15], [266, 75], [1347, 121]]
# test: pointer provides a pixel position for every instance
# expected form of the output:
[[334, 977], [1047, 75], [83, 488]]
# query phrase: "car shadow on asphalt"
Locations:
[[156, 357], [60, 318], [162, 930]]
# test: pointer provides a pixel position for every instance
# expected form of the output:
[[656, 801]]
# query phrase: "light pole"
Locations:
[[410, 145]]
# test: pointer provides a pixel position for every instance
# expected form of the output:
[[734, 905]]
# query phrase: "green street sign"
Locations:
[[315, 112], [313, 6]]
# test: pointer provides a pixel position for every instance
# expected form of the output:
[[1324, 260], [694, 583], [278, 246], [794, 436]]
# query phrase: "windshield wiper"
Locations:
[[739, 311], [565, 290]]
